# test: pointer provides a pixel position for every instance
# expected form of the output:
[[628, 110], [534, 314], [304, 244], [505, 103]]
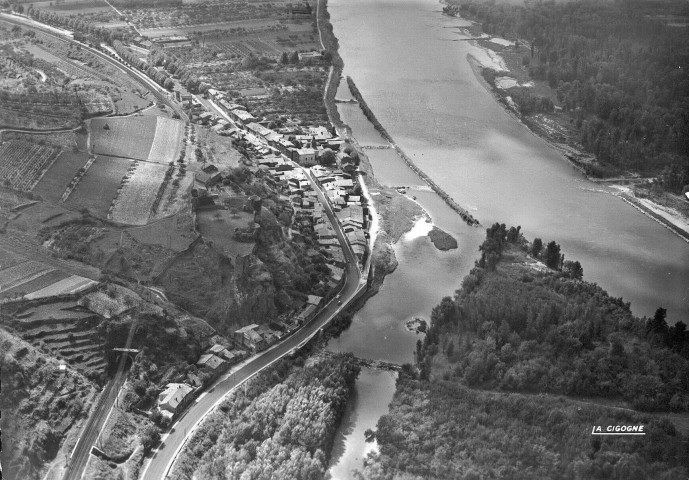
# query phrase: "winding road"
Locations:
[[165, 456], [172, 443]]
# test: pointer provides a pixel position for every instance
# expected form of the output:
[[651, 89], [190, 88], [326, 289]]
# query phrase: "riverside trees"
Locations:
[[619, 70], [521, 329], [491, 394], [285, 432]]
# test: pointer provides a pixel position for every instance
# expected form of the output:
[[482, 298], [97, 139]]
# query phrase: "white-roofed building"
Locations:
[[174, 398]]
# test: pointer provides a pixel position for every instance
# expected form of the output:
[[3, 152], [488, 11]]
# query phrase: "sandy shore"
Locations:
[[667, 216]]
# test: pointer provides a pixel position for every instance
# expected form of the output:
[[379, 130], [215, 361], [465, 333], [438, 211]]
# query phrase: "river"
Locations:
[[405, 60]]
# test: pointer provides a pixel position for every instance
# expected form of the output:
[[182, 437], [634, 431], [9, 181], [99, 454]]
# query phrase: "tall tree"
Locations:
[[552, 256]]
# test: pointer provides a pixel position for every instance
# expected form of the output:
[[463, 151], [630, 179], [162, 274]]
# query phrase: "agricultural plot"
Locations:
[[99, 186], [52, 313], [135, 201], [37, 283], [63, 140], [123, 137], [7, 259], [38, 118], [166, 143], [22, 273], [70, 285], [22, 164], [64, 328], [59, 175]]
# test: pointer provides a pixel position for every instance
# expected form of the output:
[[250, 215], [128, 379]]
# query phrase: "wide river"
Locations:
[[405, 58]]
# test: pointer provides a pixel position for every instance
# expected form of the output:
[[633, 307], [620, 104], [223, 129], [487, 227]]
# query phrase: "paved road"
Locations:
[[163, 460], [76, 464]]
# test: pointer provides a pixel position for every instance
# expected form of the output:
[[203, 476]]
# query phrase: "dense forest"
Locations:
[[443, 430], [282, 427], [521, 325], [619, 69], [516, 369]]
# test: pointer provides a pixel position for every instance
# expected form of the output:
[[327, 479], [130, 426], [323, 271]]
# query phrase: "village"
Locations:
[[149, 186], [297, 160]]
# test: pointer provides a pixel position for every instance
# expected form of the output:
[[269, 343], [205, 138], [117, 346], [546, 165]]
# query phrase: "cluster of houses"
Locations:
[[345, 198], [259, 337], [297, 143], [215, 360], [280, 153]]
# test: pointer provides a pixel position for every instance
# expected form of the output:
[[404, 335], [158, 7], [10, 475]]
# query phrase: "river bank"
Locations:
[[434, 108], [331, 46], [395, 213], [466, 216], [556, 132]]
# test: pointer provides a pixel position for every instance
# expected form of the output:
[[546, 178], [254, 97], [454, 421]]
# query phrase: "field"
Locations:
[[59, 175], [64, 328], [123, 137], [22, 164], [69, 141], [134, 203], [69, 285], [45, 279], [30, 279], [99, 186], [166, 143], [156, 139], [19, 274], [7, 259], [39, 119]]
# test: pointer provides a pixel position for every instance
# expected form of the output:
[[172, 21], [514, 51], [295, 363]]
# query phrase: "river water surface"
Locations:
[[405, 58]]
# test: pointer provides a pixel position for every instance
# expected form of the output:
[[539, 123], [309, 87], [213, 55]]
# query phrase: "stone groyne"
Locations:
[[466, 216]]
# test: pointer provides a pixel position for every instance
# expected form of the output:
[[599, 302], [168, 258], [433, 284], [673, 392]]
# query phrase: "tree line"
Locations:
[[619, 71], [491, 394], [285, 429], [515, 327]]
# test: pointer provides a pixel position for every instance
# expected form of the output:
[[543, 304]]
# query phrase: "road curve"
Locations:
[[163, 459]]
